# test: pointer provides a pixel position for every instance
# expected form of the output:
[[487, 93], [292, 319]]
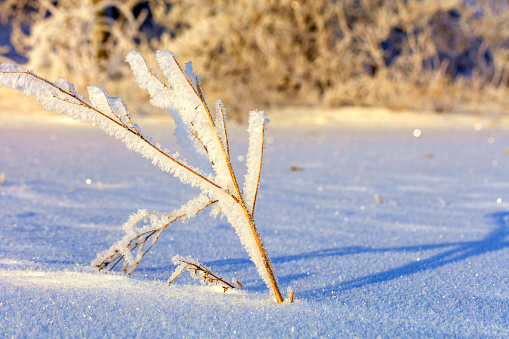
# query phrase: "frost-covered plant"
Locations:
[[85, 39], [200, 272], [198, 130], [403, 54]]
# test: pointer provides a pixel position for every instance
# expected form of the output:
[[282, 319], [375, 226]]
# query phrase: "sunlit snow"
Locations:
[[374, 238]]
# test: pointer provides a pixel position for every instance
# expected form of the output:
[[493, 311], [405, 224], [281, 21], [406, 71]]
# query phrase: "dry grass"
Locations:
[[77, 38], [396, 54], [427, 55]]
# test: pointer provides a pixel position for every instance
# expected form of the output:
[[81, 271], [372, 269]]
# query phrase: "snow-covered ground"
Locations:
[[378, 232]]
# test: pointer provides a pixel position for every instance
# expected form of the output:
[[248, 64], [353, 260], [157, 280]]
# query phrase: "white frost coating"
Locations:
[[221, 124], [65, 85], [152, 221], [215, 211], [193, 78], [180, 267], [257, 122], [155, 219], [193, 206], [238, 220], [54, 99], [172, 70], [146, 79], [194, 114], [99, 100], [177, 260], [166, 97]]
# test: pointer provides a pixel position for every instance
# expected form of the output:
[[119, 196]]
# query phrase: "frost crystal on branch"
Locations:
[[197, 130], [200, 272], [257, 121]]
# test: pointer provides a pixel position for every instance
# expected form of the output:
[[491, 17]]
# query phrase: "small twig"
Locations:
[[168, 88], [223, 129], [200, 92], [141, 239], [182, 270], [259, 169], [206, 275], [195, 135]]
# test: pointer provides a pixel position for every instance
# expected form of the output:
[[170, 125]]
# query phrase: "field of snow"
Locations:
[[378, 232]]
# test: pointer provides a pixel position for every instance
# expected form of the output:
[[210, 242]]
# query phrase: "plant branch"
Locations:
[[80, 102], [259, 169], [261, 248], [108, 263], [206, 275], [222, 120]]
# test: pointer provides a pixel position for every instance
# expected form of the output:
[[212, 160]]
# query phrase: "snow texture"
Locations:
[[431, 261]]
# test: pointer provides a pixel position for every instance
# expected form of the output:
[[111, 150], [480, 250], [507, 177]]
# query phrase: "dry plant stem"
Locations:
[[263, 252], [110, 262], [259, 169], [225, 133], [238, 198], [158, 233], [135, 132], [207, 275], [182, 270], [254, 230]]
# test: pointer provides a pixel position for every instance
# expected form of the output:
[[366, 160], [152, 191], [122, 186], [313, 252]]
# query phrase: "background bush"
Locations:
[[402, 54]]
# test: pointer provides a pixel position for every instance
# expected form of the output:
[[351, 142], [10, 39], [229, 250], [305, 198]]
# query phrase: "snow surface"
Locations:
[[432, 260]]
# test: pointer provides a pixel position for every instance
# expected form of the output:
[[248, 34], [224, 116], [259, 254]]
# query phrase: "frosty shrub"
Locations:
[[432, 55], [198, 130], [402, 54], [85, 39]]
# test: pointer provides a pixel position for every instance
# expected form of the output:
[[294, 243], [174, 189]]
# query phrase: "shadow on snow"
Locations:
[[454, 252]]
